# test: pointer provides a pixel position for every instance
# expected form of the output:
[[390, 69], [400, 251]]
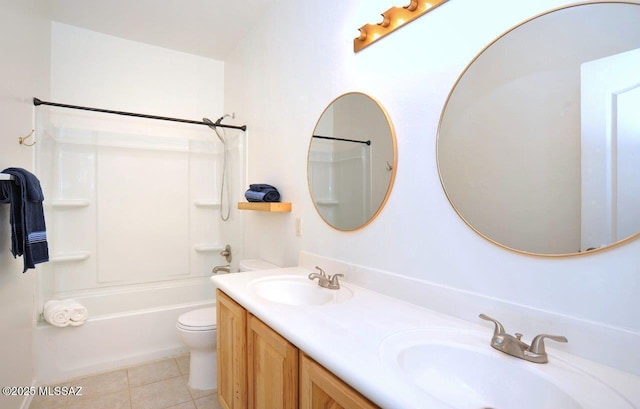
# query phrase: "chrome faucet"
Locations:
[[218, 269], [331, 282], [514, 346]]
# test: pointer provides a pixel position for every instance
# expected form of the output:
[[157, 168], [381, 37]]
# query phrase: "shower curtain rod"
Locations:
[[37, 102], [341, 139]]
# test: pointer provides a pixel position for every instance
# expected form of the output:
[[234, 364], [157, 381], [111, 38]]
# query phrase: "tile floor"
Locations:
[[155, 385]]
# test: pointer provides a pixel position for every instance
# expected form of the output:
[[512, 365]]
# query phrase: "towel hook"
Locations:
[[22, 139]]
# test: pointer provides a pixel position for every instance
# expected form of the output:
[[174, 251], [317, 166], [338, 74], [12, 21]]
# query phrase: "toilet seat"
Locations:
[[203, 319]]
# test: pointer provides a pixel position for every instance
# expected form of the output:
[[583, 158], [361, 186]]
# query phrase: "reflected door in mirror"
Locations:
[[538, 144]]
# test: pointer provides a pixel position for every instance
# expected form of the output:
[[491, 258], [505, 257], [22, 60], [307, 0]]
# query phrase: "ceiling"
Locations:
[[208, 28]]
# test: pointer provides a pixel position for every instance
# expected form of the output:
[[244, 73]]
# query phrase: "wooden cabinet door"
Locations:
[[232, 349], [320, 389], [272, 366]]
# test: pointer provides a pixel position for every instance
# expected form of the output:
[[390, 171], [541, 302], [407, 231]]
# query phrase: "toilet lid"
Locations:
[[202, 319]]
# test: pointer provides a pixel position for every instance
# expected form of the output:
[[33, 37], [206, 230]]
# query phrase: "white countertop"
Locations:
[[345, 338]]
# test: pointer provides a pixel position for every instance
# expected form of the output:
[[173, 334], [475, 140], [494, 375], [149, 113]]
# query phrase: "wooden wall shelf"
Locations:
[[265, 207]]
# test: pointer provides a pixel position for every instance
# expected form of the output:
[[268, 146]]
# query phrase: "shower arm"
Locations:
[[37, 102]]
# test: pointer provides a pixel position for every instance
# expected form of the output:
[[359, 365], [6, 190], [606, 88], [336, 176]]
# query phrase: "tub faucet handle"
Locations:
[[226, 253]]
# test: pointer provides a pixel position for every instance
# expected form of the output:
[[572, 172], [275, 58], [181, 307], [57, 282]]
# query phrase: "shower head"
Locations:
[[209, 123], [214, 126]]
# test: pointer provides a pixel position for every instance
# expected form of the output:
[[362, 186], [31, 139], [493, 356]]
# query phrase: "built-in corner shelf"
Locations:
[[265, 206], [206, 203], [70, 204]]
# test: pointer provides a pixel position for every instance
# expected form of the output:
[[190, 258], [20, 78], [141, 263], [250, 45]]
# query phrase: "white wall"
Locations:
[[281, 78], [102, 71], [24, 51]]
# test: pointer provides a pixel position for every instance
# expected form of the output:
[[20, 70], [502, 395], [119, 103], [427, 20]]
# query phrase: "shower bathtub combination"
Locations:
[[134, 228], [125, 327]]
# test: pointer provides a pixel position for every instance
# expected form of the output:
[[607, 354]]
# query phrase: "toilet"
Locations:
[[197, 329]]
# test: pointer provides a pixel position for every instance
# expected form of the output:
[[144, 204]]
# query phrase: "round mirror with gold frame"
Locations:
[[351, 164], [539, 140]]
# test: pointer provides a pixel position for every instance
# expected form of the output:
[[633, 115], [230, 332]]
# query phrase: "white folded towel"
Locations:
[[61, 313], [77, 312], [56, 314]]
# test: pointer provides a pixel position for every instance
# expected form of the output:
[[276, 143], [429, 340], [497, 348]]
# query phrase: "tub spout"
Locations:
[[219, 269]]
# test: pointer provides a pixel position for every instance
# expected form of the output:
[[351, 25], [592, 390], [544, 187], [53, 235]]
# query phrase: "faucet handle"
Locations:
[[226, 253], [332, 282], [334, 279], [321, 271], [499, 329], [537, 345]]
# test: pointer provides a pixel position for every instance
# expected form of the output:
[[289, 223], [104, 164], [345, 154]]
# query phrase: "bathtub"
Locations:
[[126, 326]]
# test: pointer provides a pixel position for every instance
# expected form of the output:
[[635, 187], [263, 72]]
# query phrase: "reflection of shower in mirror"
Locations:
[[349, 167]]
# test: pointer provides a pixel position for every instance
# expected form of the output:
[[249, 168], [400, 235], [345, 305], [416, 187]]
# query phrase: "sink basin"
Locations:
[[297, 290], [460, 369]]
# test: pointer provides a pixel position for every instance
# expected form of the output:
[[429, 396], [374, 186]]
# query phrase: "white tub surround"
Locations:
[[345, 337]]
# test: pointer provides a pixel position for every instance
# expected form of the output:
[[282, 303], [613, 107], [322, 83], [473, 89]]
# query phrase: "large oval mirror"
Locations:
[[352, 161], [539, 142]]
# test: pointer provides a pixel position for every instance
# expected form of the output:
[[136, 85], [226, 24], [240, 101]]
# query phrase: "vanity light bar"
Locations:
[[393, 19]]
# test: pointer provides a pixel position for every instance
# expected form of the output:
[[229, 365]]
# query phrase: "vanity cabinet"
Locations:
[[320, 389], [231, 338], [260, 369], [272, 364]]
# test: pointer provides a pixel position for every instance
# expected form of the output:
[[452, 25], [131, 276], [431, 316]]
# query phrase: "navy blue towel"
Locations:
[[28, 230], [261, 192]]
